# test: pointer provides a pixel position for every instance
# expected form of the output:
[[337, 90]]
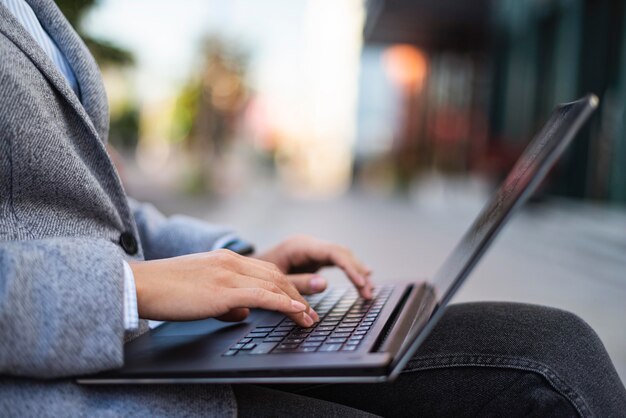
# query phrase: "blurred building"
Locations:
[[493, 70]]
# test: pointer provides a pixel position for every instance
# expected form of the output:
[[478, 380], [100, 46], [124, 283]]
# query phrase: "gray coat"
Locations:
[[62, 213]]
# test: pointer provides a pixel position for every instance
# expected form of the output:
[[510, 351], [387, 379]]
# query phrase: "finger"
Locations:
[[265, 271], [363, 271], [306, 317], [269, 272], [308, 284], [235, 315], [251, 266], [366, 272], [325, 254], [264, 299], [241, 281], [274, 275], [343, 260]]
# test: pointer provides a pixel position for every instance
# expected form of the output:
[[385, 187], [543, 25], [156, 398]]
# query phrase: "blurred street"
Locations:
[[564, 254]]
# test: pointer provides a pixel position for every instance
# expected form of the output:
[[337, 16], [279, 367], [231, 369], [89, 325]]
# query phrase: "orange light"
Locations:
[[405, 65]]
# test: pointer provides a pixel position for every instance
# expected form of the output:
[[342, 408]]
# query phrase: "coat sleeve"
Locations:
[[61, 307], [163, 237]]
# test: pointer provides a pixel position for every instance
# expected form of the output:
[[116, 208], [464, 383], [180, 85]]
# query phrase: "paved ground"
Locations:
[[563, 254]]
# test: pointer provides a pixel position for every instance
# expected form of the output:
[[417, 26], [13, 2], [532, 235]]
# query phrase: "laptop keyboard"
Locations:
[[345, 320]]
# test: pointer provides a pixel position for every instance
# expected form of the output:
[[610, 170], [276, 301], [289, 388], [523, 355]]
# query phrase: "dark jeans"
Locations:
[[482, 359]]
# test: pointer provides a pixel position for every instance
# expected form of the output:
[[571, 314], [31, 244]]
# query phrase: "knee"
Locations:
[[516, 329], [551, 342]]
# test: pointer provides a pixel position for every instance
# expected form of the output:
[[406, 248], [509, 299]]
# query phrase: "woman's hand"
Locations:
[[220, 284], [304, 254]]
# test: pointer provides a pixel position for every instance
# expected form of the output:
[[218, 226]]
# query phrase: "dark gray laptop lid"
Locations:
[[530, 169]]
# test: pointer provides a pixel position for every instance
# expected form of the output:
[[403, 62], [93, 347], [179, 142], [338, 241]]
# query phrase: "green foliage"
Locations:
[[104, 52], [124, 128], [74, 10], [107, 53], [185, 111]]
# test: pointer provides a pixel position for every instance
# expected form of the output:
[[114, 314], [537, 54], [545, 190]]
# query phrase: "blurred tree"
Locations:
[[105, 52], [124, 125], [207, 111]]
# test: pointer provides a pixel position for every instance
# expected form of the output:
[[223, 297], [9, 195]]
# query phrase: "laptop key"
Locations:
[[336, 340], [257, 335], [271, 339], [263, 329], [287, 346], [316, 338], [320, 334], [348, 327], [349, 348], [330, 347], [248, 346], [306, 349], [263, 348], [325, 328], [311, 343], [285, 328], [279, 334], [230, 353], [245, 340]]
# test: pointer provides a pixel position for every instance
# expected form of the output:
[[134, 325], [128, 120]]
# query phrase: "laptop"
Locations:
[[356, 340]]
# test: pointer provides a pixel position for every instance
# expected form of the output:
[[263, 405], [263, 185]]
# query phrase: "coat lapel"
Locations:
[[93, 94], [93, 110], [90, 84]]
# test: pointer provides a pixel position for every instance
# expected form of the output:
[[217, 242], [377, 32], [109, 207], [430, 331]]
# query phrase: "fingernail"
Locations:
[[313, 314], [298, 306], [317, 283], [308, 321], [361, 281]]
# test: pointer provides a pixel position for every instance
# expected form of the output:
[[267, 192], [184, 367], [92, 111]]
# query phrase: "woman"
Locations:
[[80, 264]]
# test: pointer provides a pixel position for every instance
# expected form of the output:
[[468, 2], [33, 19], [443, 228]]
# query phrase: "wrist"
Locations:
[[140, 285]]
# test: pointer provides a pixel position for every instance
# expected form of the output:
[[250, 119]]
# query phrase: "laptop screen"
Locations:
[[528, 172]]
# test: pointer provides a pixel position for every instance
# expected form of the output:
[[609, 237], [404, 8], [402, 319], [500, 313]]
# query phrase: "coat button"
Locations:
[[128, 243]]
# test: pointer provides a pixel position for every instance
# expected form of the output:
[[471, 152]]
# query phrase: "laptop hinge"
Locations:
[[402, 319], [393, 319]]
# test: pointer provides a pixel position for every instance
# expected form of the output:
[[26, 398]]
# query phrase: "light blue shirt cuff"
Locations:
[[131, 314], [224, 240]]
